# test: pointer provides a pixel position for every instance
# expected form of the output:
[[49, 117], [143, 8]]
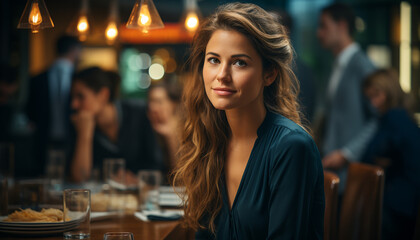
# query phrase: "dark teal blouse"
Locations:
[[281, 194]]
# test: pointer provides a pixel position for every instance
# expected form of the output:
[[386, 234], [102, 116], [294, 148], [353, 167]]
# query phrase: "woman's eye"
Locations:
[[240, 63], [213, 60]]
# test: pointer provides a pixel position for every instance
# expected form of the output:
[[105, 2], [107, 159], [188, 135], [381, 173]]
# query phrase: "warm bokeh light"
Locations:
[[82, 25], [156, 71], [191, 21], [111, 31], [35, 17]]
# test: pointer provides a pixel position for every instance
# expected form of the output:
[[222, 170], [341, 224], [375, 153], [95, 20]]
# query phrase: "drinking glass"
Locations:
[[55, 169], [149, 182], [118, 236], [114, 176], [77, 207]]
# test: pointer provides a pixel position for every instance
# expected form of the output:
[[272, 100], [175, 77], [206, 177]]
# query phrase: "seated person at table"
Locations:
[[108, 128], [395, 147], [164, 115], [249, 169]]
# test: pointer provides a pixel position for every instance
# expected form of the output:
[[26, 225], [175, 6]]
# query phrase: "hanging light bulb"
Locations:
[[111, 31], [190, 19], [144, 16], [35, 16], [80, 25]]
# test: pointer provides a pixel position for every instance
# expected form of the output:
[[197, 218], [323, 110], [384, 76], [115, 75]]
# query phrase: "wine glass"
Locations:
[[118, 236]]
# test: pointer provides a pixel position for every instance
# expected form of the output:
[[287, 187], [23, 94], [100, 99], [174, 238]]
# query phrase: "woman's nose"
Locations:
[[224, 73]]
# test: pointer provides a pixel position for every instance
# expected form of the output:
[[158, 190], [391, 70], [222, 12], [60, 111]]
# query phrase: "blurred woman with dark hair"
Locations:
[[108, 128], [395, 147], [164, 113]]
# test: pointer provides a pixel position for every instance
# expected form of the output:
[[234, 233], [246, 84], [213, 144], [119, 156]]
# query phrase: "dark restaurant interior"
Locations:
[[40, 159]]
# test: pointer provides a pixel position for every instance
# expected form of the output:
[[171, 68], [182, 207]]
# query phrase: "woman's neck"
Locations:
[[244, 123]]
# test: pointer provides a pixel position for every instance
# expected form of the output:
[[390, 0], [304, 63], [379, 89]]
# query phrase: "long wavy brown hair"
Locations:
[[206, 132]]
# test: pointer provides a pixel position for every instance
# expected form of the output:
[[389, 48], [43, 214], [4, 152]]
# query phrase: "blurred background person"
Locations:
[[48, 104], [9, 86], [395, 146], [349, 121], [108, 128], [164, 115], [307, 94]]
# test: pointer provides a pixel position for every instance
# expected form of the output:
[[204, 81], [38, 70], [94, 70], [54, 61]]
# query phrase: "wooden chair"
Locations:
[[361, 208], [331, 182]]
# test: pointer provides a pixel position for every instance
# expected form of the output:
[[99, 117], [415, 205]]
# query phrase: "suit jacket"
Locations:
[[349, 117], [38, 110]]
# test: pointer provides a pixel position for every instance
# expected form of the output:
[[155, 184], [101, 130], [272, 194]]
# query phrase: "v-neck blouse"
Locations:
[[281, 194]]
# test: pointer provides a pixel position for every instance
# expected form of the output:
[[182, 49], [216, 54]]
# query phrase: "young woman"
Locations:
[[107, 128], [164, 114], [250, 170], [396, 147]]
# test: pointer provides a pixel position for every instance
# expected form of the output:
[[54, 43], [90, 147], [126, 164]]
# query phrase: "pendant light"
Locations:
[[80, 25], [191, 17], [144, 16], [35, 16], [111, 31]]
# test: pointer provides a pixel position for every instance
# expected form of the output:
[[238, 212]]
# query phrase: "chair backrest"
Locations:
[[361, 209], [331, 182]]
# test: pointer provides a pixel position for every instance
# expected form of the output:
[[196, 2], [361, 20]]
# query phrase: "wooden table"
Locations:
[[127, 223]]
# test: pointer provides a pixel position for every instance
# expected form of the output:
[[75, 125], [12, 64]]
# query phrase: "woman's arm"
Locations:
[[296, 205], [81, 165]]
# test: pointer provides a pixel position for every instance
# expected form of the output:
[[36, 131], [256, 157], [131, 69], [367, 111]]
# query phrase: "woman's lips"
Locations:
[[223, 91]]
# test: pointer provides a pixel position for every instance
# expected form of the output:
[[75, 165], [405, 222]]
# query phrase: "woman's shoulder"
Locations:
[[287, 130], [285, 136]]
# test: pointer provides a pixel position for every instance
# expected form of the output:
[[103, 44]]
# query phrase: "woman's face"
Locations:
[[377, 98], [159, 103], [85, 99], [233, 72]]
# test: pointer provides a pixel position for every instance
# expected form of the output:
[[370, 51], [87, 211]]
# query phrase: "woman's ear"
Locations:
[[270, 76]]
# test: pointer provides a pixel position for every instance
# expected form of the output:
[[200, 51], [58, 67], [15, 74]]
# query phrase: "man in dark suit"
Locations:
[[48, 105], [349, 119]]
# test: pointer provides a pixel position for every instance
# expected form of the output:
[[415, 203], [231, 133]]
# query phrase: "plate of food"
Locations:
[[29, 222]]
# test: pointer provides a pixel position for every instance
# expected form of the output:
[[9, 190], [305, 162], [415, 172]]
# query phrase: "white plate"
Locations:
[[31, 232], [39, 228]]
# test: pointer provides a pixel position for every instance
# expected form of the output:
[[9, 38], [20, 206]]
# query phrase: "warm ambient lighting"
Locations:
[[190, 18], [144, 19], [405, 46], [82, 25], [35, 16], [144, 16], [111, 31], [191, 22]]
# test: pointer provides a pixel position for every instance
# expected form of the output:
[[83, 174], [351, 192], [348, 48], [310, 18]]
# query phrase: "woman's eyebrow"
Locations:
[[233, 56]]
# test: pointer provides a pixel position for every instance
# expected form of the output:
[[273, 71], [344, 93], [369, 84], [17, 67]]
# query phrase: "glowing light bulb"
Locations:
[[82, 25], [111, 31], [191, 21], [144, 19], [35, 17]]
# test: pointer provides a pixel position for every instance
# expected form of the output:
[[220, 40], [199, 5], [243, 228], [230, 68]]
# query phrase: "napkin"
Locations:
[[159, 215]]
